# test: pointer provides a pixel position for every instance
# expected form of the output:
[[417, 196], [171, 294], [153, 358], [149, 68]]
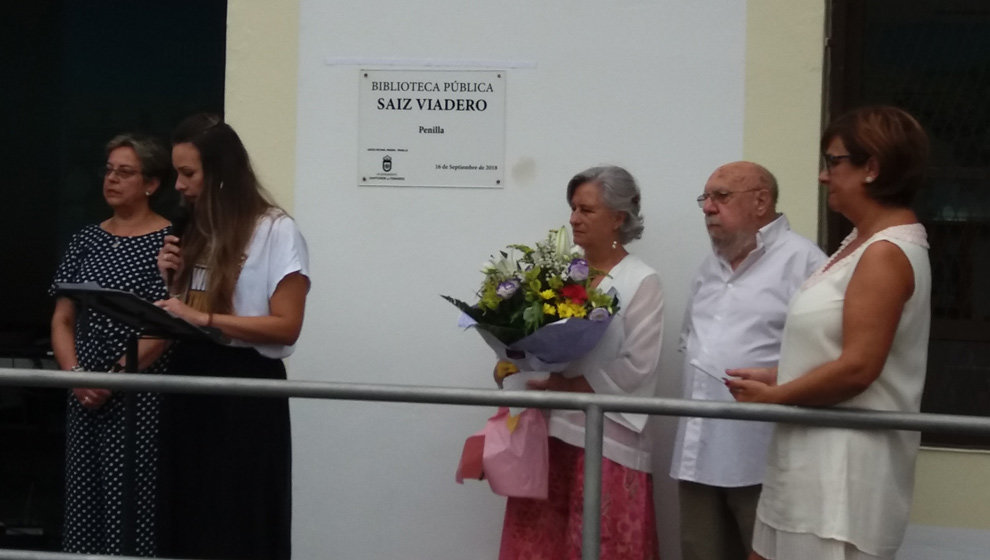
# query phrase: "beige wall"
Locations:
[[950, 489], [783, 101], [261, 82]]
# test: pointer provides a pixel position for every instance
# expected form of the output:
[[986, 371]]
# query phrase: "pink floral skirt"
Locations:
[[551, 529]]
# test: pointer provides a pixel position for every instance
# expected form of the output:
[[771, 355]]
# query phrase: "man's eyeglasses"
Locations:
[[829, 161], [123, 173], [721, 197]]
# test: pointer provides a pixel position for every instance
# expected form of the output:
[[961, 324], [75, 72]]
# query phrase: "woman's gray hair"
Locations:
[[619, 192], [151, 153]]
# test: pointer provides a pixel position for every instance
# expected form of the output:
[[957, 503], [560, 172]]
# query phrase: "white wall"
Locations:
[[783, 55], [654, 86]]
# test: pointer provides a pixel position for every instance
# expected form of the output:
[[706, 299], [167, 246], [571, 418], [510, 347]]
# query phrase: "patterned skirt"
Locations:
[[551, 529]]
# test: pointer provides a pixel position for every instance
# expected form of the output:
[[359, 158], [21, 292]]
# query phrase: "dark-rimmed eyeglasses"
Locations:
[[123, 173], [721, 197], [829, 161]]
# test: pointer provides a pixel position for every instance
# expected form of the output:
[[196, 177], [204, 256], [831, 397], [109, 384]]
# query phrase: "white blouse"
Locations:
[[623, 363], [276, 250], [851, 485]]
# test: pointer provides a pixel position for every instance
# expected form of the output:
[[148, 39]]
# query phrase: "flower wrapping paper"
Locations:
[[539, 312], [550, 348]]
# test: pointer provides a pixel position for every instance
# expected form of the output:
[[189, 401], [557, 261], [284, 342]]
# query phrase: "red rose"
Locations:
[[575, 293]]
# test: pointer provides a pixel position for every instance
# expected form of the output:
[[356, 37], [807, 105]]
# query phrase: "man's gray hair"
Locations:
[[619, 192], [767, 181]]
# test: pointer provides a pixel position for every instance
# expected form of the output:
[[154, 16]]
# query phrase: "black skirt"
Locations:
[[226, 462]]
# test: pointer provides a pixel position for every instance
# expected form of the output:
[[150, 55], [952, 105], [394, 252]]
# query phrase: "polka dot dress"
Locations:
[[111, 469]]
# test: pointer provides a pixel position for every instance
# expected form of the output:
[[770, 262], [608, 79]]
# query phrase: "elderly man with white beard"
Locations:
[[734, 320]]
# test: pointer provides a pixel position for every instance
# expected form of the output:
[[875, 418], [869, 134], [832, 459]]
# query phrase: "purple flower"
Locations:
[[578, 270], [598, 314], [507, 288]]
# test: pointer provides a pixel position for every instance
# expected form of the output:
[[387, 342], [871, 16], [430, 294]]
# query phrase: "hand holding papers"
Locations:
[[709, 370]]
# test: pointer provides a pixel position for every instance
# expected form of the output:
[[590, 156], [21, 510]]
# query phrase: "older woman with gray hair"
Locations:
[[605, 216], [111, 455]]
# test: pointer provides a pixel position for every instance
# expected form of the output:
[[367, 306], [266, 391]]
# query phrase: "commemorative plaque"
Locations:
[[431, 128]]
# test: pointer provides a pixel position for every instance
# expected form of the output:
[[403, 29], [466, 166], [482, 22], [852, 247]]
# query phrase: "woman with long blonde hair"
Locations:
[[240, 266]]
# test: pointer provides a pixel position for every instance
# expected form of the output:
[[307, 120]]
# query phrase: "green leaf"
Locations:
[[496, 322], [533, 317]]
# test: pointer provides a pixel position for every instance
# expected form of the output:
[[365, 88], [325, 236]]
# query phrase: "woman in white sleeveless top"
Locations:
[[856, 337]]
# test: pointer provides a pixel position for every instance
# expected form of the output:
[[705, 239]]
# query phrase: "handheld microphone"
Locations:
[[180, 221]]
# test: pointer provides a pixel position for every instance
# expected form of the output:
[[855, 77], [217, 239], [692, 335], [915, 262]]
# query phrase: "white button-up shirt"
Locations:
[[735, 319]]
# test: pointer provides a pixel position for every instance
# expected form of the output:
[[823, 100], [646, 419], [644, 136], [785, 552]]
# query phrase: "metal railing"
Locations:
[[594, 406]]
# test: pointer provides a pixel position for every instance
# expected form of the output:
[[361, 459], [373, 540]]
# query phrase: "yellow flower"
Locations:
[[512, 421], [549, 309], [504, 369], [566, 310], [547, 294]]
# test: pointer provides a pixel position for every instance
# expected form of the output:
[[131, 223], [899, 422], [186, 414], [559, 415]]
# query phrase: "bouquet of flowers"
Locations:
[[537, 310], [536, 307]]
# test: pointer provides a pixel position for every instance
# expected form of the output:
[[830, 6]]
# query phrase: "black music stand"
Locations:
[[142, 315], [148, 321]]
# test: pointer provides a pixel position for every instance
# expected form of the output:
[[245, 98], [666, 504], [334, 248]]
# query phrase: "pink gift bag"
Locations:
[[514, 458], [471, 457]]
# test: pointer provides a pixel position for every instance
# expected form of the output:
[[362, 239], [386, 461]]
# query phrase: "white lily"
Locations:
[[561, 240], [506, 266]]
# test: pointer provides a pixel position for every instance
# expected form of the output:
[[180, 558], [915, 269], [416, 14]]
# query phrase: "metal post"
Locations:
[[131, 355], [128, 537], [591, 529]]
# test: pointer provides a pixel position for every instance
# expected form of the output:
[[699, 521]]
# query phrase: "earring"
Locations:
[[221, 185], [615, 244], [147, 193], [869, 179]]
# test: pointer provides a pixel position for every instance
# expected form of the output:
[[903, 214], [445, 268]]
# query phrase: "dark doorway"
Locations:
[[76, 73], [932, 58]]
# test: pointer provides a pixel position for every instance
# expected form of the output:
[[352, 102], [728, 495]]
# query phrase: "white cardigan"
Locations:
[[623, 363]]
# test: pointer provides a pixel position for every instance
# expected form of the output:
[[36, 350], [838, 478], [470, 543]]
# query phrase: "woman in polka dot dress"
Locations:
[[111, 465], [242, 268]]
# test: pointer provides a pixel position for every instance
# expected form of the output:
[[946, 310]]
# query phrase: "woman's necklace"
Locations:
[[605, 265], [120, 231]]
